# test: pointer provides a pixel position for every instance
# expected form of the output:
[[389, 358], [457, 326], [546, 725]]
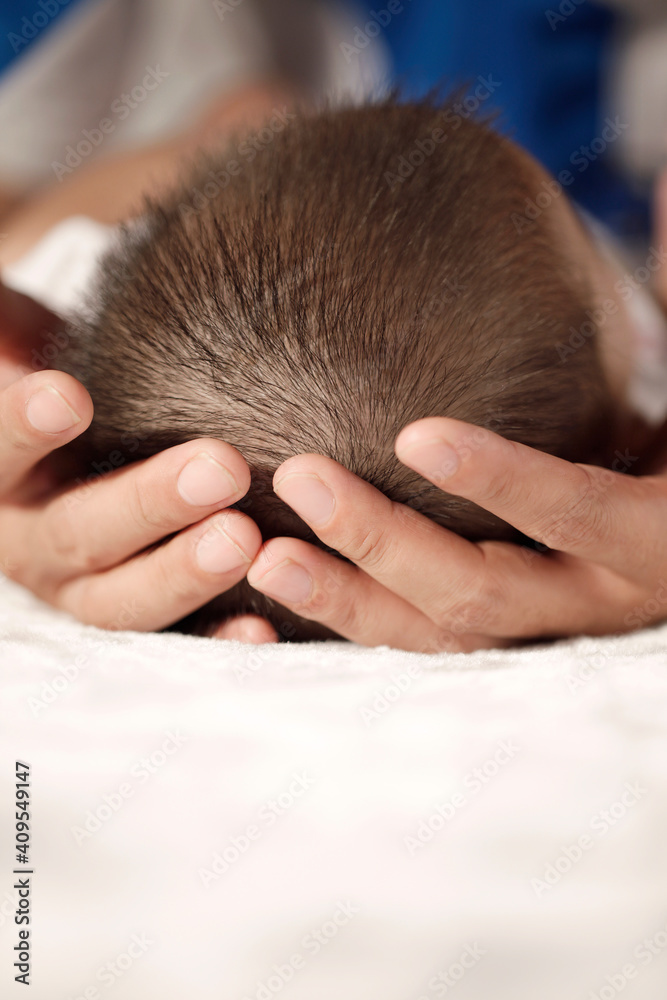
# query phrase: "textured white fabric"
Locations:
[[583, 727], [58, 270]]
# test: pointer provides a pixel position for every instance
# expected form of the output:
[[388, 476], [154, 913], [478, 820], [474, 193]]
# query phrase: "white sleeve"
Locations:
[[57, 272]]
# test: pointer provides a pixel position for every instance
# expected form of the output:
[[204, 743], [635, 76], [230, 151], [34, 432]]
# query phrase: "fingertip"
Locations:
[[227, 455], [422, 430], [305, 464], [51, 405], [265, 557], [272, 554], [74, 392], [243, 530], [455, 439], [247, 628], [225, 544]]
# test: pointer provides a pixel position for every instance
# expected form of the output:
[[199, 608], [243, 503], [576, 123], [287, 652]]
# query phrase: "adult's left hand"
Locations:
[[414, 585]]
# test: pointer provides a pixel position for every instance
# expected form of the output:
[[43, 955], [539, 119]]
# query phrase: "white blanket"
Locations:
[[325, 822]]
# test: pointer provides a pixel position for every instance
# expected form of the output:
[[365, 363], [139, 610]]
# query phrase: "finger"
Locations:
[[322, 588], [613, 519], [11, 371], [523, 595], [247, 628], [532, 595], [38, 414], [491, 589], [430, 568], [171, 581], [138, 505]]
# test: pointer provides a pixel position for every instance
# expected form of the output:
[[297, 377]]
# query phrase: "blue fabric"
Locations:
[[22, 22], [549, 66]]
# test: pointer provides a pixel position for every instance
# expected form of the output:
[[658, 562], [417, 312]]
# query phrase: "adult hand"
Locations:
[[414, 585], [92, 549]]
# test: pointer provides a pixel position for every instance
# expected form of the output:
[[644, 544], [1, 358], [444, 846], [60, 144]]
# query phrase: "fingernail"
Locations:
[[50, 412], [217, 552], [204, 481], [434, 459], [288, 582], [308, 496]]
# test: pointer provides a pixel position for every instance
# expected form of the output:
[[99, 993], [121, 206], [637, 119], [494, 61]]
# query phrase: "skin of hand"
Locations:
[[601, 565], [118, 576], [50, 537]]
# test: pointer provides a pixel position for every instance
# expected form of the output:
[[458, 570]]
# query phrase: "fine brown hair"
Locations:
[[350, 277]]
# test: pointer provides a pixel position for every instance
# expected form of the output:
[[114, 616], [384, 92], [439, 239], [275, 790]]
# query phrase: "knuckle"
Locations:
[[477, 610], [10, 566], [366, 547], [70, 545], [500, 490], [371, 546], [349, 616], [473, 614], [443, 640], [584, 518], [98, 602], [329, 599], [175, 582], [80, 601]]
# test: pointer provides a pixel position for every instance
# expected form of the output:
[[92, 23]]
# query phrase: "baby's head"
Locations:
[[368, 267]]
